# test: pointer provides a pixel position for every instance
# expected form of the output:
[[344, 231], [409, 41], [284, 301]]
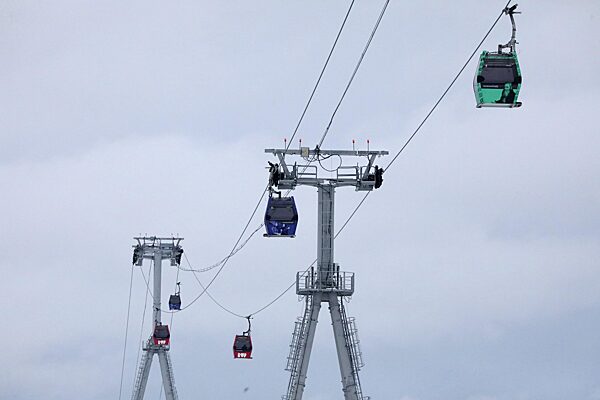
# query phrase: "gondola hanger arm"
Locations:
[[249, 325], [510, 11]]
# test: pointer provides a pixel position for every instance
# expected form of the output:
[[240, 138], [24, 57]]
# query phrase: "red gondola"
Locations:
[[161, 336], [242, 344]]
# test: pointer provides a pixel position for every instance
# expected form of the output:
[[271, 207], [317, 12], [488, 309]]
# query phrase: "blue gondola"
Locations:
[[175, 302], [281, 217], [175, 299]]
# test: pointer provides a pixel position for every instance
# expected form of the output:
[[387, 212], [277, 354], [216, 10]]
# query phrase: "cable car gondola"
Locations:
[[242, 344], [175, 299], [498, 79], [281, 217], [161, 335]]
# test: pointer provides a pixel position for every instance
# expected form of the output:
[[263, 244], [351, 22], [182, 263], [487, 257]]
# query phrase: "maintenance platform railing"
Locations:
[[310, 282]]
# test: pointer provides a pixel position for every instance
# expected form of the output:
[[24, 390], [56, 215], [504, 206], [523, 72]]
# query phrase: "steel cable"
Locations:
[[359, 205], [350, 81], [235, 249], [137, 364], [356, 68], [126, 334], [449, 87], [320, 75]]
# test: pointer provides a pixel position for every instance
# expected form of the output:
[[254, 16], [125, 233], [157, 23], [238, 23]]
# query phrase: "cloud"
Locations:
[[476, 262]]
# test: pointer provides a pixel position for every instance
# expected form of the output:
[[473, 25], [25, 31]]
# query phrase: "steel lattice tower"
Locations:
[[156, 249], [327, 284]]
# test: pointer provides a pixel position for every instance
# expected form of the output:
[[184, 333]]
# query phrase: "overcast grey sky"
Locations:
[[477, 262]]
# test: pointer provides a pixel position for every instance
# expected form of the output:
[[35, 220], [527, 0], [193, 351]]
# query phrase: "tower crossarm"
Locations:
[[306, 152], [151, 247], [288, 176]]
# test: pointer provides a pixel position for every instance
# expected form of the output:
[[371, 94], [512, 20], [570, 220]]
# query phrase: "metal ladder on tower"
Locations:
[[353, 344], [143, 365], [297, 345], [170, 375]]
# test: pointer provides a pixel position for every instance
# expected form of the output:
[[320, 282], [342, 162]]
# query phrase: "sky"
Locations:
[[477, 262]]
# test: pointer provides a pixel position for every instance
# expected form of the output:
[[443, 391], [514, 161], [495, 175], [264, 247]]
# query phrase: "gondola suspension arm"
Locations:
[[249, 325], [512, 44]]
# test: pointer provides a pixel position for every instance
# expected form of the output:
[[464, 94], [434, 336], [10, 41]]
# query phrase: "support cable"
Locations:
[[230, 253], [235, 246], [137, 364], [176, 286], [449, 86], [431, 111], [350, 81], [358, 64], [310, 98], [149, 291], [126, 334], [359, 205], [218, 264], [245, 316], [352, 76], [314, 90], [204, 290], [354, 72], [320, 76]]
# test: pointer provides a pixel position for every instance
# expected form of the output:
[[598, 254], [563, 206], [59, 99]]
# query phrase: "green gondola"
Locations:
[[498, 79]]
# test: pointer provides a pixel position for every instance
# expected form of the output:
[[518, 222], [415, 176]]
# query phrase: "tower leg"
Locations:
[[298, 376], [142, 376], [166, 369], [343, 346]]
